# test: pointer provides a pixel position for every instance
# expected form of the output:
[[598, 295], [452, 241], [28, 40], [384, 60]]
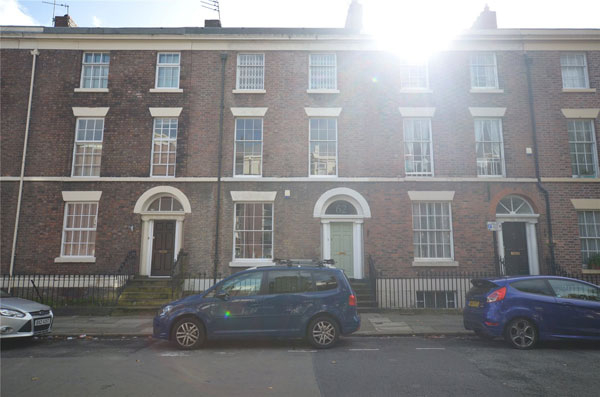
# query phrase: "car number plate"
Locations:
[[42, 321], [473, 303]]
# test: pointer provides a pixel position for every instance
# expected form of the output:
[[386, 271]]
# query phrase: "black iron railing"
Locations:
[[72, 289], [372, 275]]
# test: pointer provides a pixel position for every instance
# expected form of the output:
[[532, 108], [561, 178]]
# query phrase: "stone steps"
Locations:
[[144, 296]]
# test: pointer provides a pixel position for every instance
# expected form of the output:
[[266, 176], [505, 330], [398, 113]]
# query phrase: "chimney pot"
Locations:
[[354, 17], [486, 20], [64, 22], [212, 23]]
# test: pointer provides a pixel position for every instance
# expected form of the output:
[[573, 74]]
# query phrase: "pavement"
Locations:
[[372, 324]]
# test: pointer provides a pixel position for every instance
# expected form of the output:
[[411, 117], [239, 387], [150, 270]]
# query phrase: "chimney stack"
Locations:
[[354, 17], [212, 23], [64, 22], [486, 20]]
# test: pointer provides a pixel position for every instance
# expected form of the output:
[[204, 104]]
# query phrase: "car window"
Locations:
[[324, 281], [289, 282], [245, 285], [575, 290], [535, 286]]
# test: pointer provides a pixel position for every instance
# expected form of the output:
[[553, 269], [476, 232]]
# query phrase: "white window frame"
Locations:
[[64, 230], [417, 174], [252, 261], [101, 142], [408, 67], [169, 140], [436, 306], [472, 66], [169, 65], [451, 231], [596, 215], [237, 72], [100, 65], [502, 160], [336, 149], [594, 148], [310, 67], [584, 66], [262, 146]]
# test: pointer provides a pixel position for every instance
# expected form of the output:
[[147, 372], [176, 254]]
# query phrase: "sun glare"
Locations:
[[413, 30]]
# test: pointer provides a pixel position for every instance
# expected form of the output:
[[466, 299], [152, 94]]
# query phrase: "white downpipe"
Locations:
[[35, 53]]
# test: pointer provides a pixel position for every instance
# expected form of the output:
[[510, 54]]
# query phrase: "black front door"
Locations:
[[515, 248], [163, 248]]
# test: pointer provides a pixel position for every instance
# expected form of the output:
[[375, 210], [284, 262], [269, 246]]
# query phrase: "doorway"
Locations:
[[163, 248], [515, 248], [341, 246]]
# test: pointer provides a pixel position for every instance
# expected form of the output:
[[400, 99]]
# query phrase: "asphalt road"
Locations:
[[358, 366]]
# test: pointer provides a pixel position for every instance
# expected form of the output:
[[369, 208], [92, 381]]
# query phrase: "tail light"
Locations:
[[497, 295], [352, 300]]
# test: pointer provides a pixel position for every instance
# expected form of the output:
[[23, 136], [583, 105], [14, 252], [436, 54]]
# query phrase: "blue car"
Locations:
[[525, 310], [316, 302]]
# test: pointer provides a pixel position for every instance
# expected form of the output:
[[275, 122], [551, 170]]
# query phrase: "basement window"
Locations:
[[436, 299]]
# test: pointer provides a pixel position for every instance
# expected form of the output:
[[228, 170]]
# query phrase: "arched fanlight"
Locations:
[[165, 204], [514, 205], [341, 207]]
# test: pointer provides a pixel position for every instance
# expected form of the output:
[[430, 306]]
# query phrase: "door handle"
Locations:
[[163, 251], [341, 253]]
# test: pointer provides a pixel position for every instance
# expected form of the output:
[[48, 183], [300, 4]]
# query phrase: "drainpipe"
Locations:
[[528, 62], [35, 53], [219, 167]]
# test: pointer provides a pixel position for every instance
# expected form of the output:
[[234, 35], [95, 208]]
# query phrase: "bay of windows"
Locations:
[[484, 71], [164, 147], [432, 230], [253, 231], [322, 72], [489, 147], [94, 73], [248, 146], [323, 147], [79, 230], [589, 233], [167, 70], [250, 72], [574, 71], [418, 160], [87, 153], [582, 147]]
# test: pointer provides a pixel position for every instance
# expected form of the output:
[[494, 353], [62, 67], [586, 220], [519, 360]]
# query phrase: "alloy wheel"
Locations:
[[187, 334], [522, 333], [323, 332]]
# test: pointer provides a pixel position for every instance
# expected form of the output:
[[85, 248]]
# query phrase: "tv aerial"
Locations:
[[212, 5], [54, 4]]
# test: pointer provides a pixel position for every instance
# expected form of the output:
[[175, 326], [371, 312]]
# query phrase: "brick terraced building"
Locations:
[[244, 145]]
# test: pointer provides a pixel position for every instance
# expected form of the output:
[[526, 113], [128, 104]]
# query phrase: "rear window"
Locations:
[[324, 281], [538, 287], [481, 287], [289, 281]]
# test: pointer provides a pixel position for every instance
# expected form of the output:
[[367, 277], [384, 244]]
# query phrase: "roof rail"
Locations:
[[304, 262]]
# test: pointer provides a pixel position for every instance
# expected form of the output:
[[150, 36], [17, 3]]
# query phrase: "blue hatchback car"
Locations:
[[525, 310], [316, 302]]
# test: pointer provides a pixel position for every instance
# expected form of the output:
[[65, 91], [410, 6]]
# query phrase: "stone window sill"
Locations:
[[578, 90], [249, 91], [486, 91], [443, 263], [167, 90], [91, 90], [416, 91], [323, 91], [590, 271], [75, 259]]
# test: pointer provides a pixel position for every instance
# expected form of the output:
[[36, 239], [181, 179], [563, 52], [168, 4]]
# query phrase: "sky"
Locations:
[[395, 22]]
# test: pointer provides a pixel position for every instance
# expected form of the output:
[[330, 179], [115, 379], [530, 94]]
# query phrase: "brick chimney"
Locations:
[[64, 22], [354, 17], [486, 20], [212, 23]]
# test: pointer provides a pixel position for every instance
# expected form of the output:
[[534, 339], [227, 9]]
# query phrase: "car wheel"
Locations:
[[188, 333], [521, 333], [323, 332]]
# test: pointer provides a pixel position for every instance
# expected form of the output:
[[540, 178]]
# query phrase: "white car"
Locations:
[[21, 317]]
